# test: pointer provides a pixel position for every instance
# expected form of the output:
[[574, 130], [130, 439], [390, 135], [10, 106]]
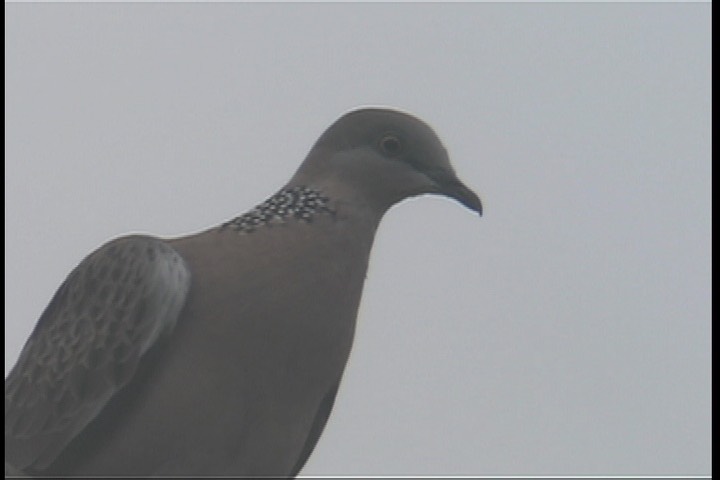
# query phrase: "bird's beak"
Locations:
[[464, 195], [449, 185]]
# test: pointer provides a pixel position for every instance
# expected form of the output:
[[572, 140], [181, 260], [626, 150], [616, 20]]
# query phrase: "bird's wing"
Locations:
[[87, 344], [317, 428]]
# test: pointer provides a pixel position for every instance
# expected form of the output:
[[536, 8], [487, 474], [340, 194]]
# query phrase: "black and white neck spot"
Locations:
[[295, 203]]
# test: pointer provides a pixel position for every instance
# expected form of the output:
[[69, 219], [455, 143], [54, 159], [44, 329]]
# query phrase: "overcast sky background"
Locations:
[[565, 332]]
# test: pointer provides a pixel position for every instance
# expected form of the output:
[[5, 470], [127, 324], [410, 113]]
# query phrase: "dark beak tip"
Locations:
[[468, 198], [476, 207], [452, 187]]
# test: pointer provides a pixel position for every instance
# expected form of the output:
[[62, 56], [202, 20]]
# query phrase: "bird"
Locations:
[[220, 352]]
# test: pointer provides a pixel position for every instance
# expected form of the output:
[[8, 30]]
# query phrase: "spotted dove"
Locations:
[[219, 353]]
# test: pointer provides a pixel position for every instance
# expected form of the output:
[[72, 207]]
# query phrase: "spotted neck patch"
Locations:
[[299, 203]]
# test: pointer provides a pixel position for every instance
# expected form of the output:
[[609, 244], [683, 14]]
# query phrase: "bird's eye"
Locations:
[[391, 145]]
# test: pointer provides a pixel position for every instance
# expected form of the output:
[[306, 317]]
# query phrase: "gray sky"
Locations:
[[565, 332]]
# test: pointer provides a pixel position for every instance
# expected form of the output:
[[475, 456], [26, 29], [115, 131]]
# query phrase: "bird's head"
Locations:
[[384, 156]]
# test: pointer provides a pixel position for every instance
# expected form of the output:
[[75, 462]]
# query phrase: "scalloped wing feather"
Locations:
[[88, 343]]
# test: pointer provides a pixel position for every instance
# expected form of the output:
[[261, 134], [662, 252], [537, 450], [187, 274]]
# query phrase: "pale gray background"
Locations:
[[565, 332]]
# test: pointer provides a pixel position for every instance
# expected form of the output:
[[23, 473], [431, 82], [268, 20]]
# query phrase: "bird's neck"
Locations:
[[310, 203]]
